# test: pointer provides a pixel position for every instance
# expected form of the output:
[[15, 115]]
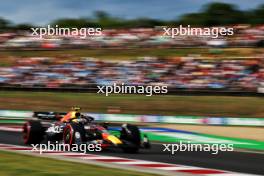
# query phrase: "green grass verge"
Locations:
[[135, 104], [238, 143], [20, 165]]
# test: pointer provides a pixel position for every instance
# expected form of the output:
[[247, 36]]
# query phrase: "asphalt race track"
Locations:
[[231, 161]]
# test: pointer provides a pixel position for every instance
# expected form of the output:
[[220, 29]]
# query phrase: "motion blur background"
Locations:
[[216, 86], [132, 50], [222, 77]]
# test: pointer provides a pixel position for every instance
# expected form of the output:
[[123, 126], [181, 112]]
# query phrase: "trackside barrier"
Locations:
[[195, 120], [9, 115], [16, 114]]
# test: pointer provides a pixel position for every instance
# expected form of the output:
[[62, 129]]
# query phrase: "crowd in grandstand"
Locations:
[[192, 72], [136, 37]]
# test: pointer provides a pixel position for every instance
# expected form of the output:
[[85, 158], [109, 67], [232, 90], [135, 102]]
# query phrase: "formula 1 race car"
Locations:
[[82, 130]]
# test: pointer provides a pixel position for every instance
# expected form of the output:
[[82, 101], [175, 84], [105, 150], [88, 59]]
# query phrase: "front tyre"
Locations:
[[130, 135]]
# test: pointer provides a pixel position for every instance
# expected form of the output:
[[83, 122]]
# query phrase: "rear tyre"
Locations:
[[130, 135], [33, 132]]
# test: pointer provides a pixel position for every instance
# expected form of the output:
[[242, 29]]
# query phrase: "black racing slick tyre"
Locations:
[[33, 132], [131, 136], [74, 133]]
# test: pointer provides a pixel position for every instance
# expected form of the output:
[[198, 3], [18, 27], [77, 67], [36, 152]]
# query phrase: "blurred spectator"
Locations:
[[176, 72], [245, 35]]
